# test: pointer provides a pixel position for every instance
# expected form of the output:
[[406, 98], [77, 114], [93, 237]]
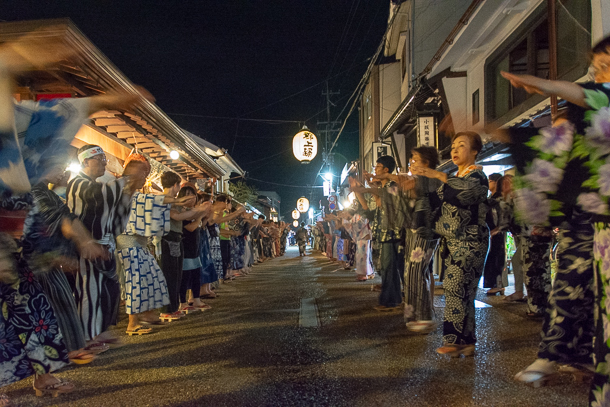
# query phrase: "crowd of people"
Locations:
[[556, 206], [164, 254], [90, 247]]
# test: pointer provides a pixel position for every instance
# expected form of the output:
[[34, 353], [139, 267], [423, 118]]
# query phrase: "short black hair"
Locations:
[[602, 47], [183, 190], [302, 224], [388, 162], [261, 217], [223, 198], [495, 177], [428, 154], [169, 179]]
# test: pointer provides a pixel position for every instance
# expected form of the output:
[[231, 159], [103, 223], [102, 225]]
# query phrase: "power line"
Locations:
[[283, 185], [235, 118], [268, 157], [360, 87]]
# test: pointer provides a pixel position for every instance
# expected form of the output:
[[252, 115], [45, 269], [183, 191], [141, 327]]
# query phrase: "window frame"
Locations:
[[519, 35]]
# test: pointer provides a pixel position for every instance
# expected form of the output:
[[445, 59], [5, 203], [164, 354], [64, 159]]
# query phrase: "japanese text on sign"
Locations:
[[426, 128]]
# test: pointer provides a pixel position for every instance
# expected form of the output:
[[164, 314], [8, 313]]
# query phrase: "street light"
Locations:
[[174, 155], [74, 168], [328, 176]]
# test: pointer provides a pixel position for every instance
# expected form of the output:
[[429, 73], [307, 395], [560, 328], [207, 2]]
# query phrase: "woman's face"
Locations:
[[417, 161], [601, 67], [462, 152], [507, 186]]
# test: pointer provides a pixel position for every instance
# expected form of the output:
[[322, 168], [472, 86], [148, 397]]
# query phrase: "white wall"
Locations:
[[389, 91], [433, 20]]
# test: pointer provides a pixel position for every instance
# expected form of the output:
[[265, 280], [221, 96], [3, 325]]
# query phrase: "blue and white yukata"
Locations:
[[145, 286], [34, 137]]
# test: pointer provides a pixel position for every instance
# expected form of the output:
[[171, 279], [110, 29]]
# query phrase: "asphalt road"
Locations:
[[251, 350]]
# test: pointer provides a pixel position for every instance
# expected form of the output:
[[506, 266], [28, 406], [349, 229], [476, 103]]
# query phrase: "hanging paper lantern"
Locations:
[[303, 204], [305, 146], [296, 214], [295, 223]]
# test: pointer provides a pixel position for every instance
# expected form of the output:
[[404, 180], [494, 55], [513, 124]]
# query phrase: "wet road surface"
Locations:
[[298, 332]]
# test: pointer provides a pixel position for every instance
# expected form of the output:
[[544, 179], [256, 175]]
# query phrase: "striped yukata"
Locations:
[[419, 298], [145, 286], [102, 207]]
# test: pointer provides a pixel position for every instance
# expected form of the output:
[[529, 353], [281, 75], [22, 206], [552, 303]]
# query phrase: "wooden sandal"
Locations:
[[139, 330], [55, 389], [97, 347], [82, 358]]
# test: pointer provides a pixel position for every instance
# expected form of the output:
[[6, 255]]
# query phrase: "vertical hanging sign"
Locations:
[[426, 130]]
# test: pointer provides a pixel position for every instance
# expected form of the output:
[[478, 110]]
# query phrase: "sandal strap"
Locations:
[[57, 385]]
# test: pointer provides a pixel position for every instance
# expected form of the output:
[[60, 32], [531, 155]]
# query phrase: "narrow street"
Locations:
[[259, 346]]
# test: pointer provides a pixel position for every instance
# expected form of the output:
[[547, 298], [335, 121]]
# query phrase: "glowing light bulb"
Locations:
[[74, 168], [174, 155], [328, 176]]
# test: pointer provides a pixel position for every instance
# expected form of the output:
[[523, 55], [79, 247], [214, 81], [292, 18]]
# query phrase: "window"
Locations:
[[403, 62], [475, 107], [368, 110], [527, 52]]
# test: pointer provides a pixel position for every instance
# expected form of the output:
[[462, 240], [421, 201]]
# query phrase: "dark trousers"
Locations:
[[225, 252], [392, 266], [172, 270], [191, 280]]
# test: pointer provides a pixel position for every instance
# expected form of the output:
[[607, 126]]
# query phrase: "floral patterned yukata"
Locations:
[[30, 340], [359, 230], [567, 180]]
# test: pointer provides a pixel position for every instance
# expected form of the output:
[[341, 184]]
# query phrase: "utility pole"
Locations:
[[329, 127]]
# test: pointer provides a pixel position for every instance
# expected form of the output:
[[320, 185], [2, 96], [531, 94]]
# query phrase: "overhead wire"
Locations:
[[360, 87], [283, 185], [348, 23]]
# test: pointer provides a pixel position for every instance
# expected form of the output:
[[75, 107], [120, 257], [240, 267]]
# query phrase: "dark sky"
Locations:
[[237, 59]]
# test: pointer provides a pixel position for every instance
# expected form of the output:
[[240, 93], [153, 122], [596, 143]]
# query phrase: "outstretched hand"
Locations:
[[188, 200], [531, 84]]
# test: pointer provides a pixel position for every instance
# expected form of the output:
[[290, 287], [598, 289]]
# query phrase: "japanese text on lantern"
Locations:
[[305, 146], [426, 127]]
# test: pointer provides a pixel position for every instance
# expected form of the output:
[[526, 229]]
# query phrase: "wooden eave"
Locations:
[[89, 73]]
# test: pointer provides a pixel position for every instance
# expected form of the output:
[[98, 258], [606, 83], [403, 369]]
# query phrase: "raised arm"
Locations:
[[569, 91]]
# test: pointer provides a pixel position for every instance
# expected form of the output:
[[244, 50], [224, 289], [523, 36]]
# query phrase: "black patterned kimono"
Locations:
[[43, 236], [460, 211], [33, 137]]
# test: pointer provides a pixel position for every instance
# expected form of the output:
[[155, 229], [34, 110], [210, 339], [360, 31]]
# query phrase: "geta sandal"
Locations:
[[97, 347], [82, 358], [55, 389], [139, 330]]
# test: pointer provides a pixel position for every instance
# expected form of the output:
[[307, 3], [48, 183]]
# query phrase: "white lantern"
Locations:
[[296, 214], [303, 205], [295, 223], [305, 146]]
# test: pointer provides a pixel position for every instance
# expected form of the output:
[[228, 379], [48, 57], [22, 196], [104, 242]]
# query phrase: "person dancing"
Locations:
[[460, 208]]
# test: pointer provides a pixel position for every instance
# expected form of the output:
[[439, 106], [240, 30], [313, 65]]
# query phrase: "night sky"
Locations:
[[237, 59]]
